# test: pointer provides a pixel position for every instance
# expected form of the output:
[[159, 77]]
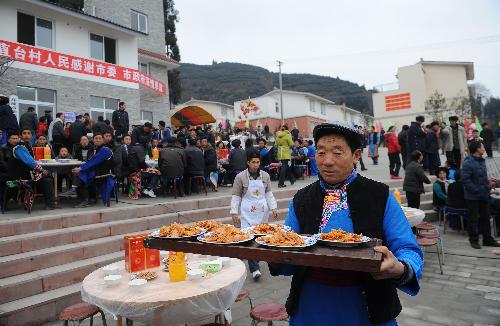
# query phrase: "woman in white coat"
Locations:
[[252, 199]]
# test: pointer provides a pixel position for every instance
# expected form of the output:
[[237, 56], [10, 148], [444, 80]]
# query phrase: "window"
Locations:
[[39, 98], [102, 106], [147, 116], [223, 111], [144, 67], [34, 31], [277, 106], [139, 21], [312, 106], [102, 48], [323, 108]]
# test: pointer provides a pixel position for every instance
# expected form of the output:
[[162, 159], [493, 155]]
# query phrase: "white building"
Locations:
[[416, 83], [70, 57], [304, 109]]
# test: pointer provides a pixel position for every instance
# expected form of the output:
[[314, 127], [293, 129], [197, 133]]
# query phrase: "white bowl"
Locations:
[[110, 269], [195, 274], [112, 280], [225, 261], [137, 283]]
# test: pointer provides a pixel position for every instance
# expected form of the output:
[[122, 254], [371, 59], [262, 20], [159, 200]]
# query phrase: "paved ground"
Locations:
[[467, 294]]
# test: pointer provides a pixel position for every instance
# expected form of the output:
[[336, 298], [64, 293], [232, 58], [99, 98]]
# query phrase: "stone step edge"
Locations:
[[179, 200], [59, 270], [15, 227], [110, 223]]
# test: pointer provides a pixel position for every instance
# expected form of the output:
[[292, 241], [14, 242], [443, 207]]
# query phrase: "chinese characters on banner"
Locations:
[[42, 57]]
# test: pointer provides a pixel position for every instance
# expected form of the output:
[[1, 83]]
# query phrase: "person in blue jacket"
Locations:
[[477, 194], [343, 199]]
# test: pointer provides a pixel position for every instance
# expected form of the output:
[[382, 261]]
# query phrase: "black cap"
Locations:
[[148, 125], [353, 135]]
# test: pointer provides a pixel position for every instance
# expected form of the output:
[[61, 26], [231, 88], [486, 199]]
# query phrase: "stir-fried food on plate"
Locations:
[[226, 233], [148, 275], [284, 239], [341, 236], [266, 228], [176, 230], [208, 225]]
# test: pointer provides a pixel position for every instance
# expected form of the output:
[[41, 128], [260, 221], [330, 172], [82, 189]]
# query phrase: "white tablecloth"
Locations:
[[162, 302], [413, 215]]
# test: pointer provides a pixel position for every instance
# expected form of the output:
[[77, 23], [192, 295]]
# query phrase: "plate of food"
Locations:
[[146, 275], [266, 229], [286, 240], [225, 235], [341, 238], [208, 225], [178, 231]]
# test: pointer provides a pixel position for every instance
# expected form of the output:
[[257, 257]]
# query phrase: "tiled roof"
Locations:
[[157, 56]]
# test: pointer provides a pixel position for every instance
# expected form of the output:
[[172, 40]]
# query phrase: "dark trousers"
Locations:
[[253, 265], [433, 162], [394, 164], [46, 186], [479, 220], [285, 171], [404, 156], [361, 161], [84, 192], [375, 160], [487, 147], [454, 156], [413, 199]]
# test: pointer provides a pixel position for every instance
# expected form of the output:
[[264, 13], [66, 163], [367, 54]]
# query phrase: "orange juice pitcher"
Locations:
[[46, 153], [156, 153], [176, 266]]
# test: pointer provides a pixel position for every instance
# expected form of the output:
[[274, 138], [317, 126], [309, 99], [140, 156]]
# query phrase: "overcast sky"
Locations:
[[360, 41]]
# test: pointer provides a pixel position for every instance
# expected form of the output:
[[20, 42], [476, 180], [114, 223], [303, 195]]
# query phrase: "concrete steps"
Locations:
[[24, 243]]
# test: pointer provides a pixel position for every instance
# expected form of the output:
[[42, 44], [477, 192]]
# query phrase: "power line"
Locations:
[[428, 46]]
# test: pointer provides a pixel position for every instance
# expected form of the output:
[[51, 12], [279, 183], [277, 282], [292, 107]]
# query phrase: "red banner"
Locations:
[[42, 57]]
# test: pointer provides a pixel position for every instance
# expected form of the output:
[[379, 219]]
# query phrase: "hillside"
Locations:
[[228, 82]]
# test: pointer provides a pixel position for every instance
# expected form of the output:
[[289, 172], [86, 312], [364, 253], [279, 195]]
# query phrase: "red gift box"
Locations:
[[138, 258]]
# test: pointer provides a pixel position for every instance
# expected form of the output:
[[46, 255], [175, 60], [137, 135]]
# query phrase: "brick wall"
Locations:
[[72, 94]]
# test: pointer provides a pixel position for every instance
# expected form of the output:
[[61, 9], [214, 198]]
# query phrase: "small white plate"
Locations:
[[137, 283], [112, 280]]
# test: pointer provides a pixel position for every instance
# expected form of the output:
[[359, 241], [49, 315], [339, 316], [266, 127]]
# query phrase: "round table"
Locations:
[[161, 302], [413, 215], [56, 167]]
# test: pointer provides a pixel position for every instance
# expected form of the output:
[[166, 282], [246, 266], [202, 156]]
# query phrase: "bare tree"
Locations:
[[461, 105], [435, 106]]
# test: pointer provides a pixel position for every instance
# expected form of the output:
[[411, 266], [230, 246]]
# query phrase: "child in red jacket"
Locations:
[[394, 149]]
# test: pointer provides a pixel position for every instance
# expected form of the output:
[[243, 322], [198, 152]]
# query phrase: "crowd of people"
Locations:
[[143, 159], [462, 187]]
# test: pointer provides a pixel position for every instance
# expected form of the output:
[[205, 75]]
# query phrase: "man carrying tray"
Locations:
[[342, 199], [252, 196]]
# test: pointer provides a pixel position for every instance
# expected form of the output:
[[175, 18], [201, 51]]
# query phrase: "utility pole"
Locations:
[[281, 92]]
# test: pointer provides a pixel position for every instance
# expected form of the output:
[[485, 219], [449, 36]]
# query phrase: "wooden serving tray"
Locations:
[[363, 259]]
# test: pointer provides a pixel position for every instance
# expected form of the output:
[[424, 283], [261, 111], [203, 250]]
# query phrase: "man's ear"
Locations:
[[356, 155]]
